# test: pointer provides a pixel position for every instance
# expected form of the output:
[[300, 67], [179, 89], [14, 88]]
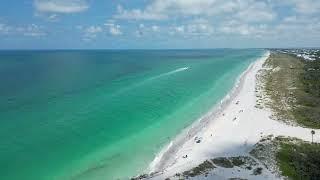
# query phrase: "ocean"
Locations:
[[104, 114]]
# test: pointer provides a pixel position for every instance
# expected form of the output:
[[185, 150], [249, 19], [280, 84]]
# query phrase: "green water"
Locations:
[[103, 114]]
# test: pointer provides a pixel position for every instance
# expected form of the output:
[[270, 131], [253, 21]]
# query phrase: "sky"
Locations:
[[158, 24]]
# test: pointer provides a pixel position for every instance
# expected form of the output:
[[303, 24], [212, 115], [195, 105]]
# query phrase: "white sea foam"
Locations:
[[177, 70], [150, 79], [170, 73]]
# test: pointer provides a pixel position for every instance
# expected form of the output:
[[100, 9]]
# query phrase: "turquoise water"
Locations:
[[104, 114]]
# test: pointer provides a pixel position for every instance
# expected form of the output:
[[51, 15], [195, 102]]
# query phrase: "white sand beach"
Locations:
[[232, 130]]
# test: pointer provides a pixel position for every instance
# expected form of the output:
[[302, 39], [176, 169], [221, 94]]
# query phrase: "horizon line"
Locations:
[[119, 49]]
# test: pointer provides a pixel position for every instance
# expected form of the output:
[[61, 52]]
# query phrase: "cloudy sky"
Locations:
[[135, 24]]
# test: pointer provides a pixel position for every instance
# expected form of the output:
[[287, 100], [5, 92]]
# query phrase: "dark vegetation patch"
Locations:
[[289, 157], [257, 171], [142, 176], [222, 162], [299, 160], [308, 112], [203, 168], [244, 162], [237, 161], [230, 162]]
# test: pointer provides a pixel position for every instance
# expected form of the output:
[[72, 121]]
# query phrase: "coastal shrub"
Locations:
[[294, 89], [309, 110], [257, 171], [299, 160], [237, 161], [143, 176], [201, 169], [223, 162]]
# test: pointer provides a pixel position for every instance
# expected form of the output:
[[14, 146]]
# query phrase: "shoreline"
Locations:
[[167, 157], [232, 132]]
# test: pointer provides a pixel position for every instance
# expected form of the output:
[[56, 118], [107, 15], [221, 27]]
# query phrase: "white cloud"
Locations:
[[5, 29], [290, 19], [251, 10], [189, 7], [31, 30], [155, 28], [304, 7], [114, 29], [243, 29], [91, 32], [301, 20], [141, 26], [288, 30], [60, 6], [299, 25], [256, 12], [179, 29], [53, 17], [198, 27], [143, 29], [291, 31], [138, 14], [249, 19], [94, 29], [307, 6], [34, 31], [47, 17]]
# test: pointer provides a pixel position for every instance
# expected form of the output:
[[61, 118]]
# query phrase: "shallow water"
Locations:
[[94, 114]]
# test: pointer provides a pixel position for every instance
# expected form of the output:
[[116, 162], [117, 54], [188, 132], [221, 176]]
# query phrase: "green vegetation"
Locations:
[[309, 110], [244, 162], [293, 86], [223, 162], [230, 162], [143, 176], [238, 161], [257, 171], [203, 168], [288, 156], [299, 160]]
